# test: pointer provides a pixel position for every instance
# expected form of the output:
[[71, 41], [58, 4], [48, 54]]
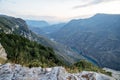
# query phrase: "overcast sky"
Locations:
[[58, 10]]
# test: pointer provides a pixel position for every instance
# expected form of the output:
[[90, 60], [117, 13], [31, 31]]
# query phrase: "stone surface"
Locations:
[[17, 72], [3, 54], [115, 74]]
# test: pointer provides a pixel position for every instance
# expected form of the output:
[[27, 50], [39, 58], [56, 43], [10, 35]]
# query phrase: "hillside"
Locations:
[[11, 25], [21, 47], [45, 31], [19, 42], [28, 53], [96, 38], [19, 50]]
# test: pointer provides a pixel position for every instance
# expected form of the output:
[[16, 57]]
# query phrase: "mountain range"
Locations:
[[46, 30], [37, 23], [97, 38], [72, 45], [18, 26]]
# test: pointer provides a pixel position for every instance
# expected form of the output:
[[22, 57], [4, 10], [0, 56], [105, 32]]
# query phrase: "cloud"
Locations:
[[93, 2], [50, 19], [58, 10]]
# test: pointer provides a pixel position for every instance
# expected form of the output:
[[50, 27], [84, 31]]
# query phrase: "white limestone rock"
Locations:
[[88, 75], [3, 54], [17, 72], [115, 74]]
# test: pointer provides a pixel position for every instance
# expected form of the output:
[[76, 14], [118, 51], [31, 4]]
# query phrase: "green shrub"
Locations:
[[84, 65]]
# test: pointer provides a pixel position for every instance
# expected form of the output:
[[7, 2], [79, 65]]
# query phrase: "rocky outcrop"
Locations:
[[17, 72], [115, 74], [3, 54]]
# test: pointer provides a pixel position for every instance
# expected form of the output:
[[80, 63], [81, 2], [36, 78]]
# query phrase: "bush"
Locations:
[[84, 65]]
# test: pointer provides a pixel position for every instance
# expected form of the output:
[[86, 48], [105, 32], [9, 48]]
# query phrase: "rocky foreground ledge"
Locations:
[[17, 72]]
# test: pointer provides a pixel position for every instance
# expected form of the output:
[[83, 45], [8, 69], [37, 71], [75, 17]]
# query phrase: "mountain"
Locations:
[[11, 25], [96, 38], [47, 30], [36, 30], [21, 46], [38, 24], [53, 28]]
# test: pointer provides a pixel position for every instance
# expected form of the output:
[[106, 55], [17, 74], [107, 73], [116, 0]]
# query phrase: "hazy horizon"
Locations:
[[58, 10]]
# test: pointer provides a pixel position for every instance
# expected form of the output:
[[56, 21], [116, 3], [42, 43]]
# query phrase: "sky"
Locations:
[[58, 10]]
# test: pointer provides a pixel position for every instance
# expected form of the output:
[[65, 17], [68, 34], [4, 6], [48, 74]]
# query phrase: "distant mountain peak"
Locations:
[[37, 23], [104, 15]]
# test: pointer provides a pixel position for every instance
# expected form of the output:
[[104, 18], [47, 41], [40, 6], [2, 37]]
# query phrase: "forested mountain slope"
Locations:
[[97, 37]]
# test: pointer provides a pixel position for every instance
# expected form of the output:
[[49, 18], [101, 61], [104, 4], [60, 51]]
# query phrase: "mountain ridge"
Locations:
[[11, 25], [37, 23], [96, 37]]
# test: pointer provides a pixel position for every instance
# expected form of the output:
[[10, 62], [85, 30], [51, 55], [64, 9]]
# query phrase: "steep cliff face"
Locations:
[[3, 54], [11, 25], [17, 72]]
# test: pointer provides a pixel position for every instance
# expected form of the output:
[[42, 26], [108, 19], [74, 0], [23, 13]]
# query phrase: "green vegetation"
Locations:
[[5, 24], [28, 53], [84, 65]]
